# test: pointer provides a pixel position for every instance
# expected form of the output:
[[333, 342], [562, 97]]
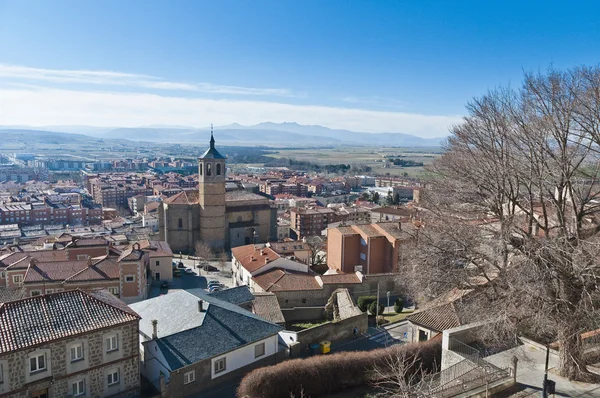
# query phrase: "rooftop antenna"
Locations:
[[212, 139]]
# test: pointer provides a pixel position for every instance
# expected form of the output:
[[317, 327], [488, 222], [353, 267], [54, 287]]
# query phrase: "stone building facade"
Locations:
[[222, 219], [79, 354]]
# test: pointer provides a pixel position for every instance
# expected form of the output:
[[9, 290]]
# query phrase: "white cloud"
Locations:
[[109, 78], [49, 106]]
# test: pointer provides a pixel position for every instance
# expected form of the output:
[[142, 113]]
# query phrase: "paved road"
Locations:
[[375, 338]]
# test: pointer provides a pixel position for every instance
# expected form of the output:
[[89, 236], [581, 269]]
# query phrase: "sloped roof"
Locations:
[[54, 271], [42, 319], [192, 335], [253, 257], [211, 152], [105, 269], [236, 295], [267, 307], [438, 318], [185, 197], [278, 280]]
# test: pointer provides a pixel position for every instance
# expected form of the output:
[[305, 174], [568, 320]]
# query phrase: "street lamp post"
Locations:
[[388, 299]]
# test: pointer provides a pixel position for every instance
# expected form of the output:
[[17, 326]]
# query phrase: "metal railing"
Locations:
[[476, 378]]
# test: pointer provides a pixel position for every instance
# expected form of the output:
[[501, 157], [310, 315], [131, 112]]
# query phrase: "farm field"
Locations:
[[375, 157]]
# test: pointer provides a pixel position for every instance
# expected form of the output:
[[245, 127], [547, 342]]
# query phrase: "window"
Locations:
[[37, 363], [129, 278], [259, 350], [82, 257], [114, 290], [48, 291], [78, 388], [77, 352], [363, 256], [36, 293], [17, 279], [157, 263], [189, 377], [220, 365], [113, 377], [180, 223], [218, 169], [363, 242], [303, 301], [208, 171], [112, 344], [200, 169]]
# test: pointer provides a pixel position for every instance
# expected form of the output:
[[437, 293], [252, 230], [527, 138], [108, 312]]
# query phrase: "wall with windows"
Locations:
[[163, 266], [237, 364], [76, 365]]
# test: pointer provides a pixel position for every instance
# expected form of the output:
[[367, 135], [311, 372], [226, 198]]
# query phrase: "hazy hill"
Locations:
[[267, 134]]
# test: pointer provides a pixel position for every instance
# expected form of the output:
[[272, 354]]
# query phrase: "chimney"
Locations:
[[89, 262], [201, 306], [154, 329]]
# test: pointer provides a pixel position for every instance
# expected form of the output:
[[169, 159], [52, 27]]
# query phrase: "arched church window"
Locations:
[[180, 223], [218, 169], [208, 170], [200, 169]]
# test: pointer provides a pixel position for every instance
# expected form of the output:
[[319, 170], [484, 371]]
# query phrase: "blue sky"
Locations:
[[396, 66]]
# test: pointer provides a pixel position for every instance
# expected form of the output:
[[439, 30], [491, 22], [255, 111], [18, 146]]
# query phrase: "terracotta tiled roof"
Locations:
[[105, 269], [130, 255], [438, 318], [340, 278], [54, 271], [278, 280], [183, 198], [266, 306], [253, 258], [42, 319]]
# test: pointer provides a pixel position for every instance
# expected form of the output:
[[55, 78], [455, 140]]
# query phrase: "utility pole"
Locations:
[[545, 390], [377, 307], [388, 299]]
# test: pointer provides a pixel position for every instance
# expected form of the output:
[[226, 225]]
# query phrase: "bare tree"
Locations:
[[514, 211], [316, 245], [400, 374], [203, 251], [223, 259]]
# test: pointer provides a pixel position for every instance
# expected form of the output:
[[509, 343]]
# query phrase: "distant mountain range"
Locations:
[[263, 134]]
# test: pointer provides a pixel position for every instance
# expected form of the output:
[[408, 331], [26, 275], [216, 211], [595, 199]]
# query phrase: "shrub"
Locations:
[[363, 302], [381, 320], [373, 308], [327, 374], [399, 305]]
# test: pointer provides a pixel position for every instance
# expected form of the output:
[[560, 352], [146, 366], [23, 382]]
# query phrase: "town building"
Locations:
[[368, 248], [192, 341], [220, 218], [68, 344], [310, 221]]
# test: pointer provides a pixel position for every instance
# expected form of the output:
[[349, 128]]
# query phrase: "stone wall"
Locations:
[[20, 382], [332, 331]]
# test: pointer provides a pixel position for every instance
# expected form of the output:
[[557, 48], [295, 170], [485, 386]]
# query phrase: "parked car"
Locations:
[[208, 268], [215, 288], [164, 285], [180, 265], [176, 272], [189, 271]]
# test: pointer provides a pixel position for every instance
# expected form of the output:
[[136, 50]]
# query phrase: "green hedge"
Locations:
[[364, 302], [328, 374], [373, 308]]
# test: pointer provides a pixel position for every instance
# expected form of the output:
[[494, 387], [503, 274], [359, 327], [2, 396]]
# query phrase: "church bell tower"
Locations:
[[211, 189]]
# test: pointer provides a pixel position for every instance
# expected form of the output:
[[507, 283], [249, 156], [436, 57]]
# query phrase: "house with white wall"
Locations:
[[252, 260], [191, 341]]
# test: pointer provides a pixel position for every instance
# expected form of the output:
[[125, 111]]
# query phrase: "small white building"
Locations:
[[191, 341]]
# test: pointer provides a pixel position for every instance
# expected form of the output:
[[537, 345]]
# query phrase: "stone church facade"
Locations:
[[222, 219]]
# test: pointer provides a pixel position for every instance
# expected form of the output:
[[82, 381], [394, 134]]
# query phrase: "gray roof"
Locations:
[[236, 295], [212, 153], [189, 336]]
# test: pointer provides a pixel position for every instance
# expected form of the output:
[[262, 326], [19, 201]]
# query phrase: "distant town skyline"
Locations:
[[400, 67]]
